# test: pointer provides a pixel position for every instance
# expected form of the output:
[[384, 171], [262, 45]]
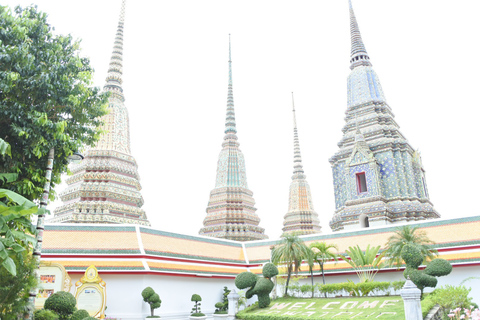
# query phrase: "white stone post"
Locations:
[[411, 300], [233, 298]]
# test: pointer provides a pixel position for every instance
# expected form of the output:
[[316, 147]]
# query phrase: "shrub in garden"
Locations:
[[79, 315], [196, 312], [153, 299], [450, 297], [426, 278], [222, 307], [259, 286], [62, 303], [45, 315]]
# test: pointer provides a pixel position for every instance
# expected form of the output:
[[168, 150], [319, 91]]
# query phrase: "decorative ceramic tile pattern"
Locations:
[[301, 217], [230, 211], [105, 187], [396, 186]]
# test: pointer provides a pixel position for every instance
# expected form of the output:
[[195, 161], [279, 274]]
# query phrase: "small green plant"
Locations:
[[259, 286], [451, 297], [45, 315], [152, 298], [62, 303], [222, 307], [79, 315], [196, 312]]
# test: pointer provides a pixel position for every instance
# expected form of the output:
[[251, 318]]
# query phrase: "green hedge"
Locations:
[[374, 288]]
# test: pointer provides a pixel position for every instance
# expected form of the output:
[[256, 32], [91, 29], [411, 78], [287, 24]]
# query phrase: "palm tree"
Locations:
[[310, 259], [322, 254], [412, 235], [366, 264], [289, 251]]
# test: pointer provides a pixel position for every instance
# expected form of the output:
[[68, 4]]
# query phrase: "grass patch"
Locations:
[[387, 307]]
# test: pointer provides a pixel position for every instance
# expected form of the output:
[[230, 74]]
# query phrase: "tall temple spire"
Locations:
[[298, 172], [359, 55], [230, 211], [113, 82], [301, 217], [378, 179], [105, 186]]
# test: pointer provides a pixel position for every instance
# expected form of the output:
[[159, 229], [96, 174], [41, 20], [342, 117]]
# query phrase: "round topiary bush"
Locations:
[[45, 315], [245, 280], [438, 267], [412, 256], [196, 312], [269, 270], [62, 303], [80, 315]]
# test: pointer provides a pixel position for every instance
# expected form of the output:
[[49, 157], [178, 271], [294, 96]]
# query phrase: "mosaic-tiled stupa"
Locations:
[[378, 177], [301, 217], [230, 212], [105, 187]]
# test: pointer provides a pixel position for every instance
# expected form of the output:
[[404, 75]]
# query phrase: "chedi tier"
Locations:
[[105, 186], [301, 218], [231, 212], [378, 177]]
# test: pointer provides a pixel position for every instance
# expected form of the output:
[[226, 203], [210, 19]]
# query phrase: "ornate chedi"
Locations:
[[231, 212], [105, 187], [378, 177], [301, 218]]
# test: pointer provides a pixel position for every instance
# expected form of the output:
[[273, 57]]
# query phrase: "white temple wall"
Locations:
[[124, 294]]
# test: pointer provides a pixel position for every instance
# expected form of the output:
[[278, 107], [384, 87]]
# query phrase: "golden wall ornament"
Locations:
[[91, 294]]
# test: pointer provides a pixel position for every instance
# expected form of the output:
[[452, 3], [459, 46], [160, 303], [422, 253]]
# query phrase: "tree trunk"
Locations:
[[288, 279], [323, 276], [311, 273]]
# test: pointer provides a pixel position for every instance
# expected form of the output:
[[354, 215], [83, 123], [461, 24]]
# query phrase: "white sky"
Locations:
[[426, 53]]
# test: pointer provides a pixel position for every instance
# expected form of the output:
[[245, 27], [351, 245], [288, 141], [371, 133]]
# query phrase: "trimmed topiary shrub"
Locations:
[[80, 315], [196, 312], [62, 303], [45, 315], [436, 268], [259, 286], [153, 299]]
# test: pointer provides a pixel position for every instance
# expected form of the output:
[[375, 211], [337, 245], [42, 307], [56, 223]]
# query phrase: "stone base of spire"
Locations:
[[382, 212], [301, 223]]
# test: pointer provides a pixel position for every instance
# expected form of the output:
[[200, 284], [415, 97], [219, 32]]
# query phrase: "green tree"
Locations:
[[46, 99], [322, 254], [14, 290], [365, 263], [408, 235], [152, 298], [290, 251]]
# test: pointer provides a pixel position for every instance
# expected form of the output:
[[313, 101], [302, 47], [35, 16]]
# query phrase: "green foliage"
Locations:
[[322, 254], [290, 251], [80, 315], [412, 256], [91, 318], [17, 233], [269, 270], [245, 280], [222, 307], [196, 312], [366, 264], [438, 268], [427, 305], [48, 315], [153, 299], [408, 235], [46, 100], [450, 297], [14, 290], [259, 286], [62, 303]]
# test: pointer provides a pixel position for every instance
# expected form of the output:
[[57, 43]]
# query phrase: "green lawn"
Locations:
[[386, 307]]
